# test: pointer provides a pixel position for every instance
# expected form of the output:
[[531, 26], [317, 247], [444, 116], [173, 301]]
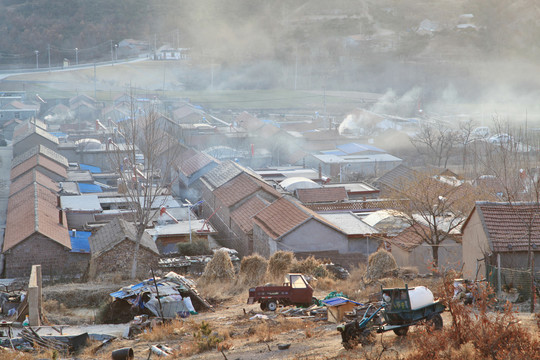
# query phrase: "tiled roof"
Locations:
[[30, 177], [194, 163], [237, 189], [40, 150], [508, 226], [285, 214], [35, 161], [410, 238], [397, 176], [322, 195], [115, 232], [36, 130], [34, 209], [248, 121], [27, 127], [223, 173], [243, 215]]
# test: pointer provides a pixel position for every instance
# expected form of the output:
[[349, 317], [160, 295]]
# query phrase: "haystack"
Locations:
[[279, 264], [379, 264], [308, 266], [253, 270], [220, 268]]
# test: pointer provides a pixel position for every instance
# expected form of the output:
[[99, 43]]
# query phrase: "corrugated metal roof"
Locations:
[[89, 188], [92, 169]]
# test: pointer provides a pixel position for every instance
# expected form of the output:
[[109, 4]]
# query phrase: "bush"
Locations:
[[478, 334], [197, 247]]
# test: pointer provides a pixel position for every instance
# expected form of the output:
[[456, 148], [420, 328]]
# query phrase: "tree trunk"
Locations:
[[136, 256], [435, 252]]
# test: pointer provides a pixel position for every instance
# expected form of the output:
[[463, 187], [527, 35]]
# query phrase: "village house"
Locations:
[[112, 247], [287, 225], [37, 232], [500, 233], [43, 159], [411, 250], [230, 190], [34, 136]]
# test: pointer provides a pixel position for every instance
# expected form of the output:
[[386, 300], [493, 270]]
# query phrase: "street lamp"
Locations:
[[76, 56], [37, 59], [116, 52]]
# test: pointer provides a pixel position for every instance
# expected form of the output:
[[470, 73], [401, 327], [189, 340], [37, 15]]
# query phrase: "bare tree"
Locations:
[[143, 156], [436, 208], [435, 143]]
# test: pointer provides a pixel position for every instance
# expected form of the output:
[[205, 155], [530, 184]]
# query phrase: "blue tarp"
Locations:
[[79, 242], [336, 301], [92, 169], [89, 188], [333, 152]]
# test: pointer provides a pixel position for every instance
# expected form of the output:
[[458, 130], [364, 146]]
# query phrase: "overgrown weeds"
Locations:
[[476, 332]]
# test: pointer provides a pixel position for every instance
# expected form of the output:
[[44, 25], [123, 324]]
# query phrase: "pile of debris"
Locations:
[[193, 265], [167, 297]]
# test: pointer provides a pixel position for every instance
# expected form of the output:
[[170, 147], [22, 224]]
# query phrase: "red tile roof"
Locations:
[[237, 189], [194, 163], [508, 226], [322, 195], [410, 238], [34, 209], [30, 177], [243, 215], [36, 160], [285, 214]]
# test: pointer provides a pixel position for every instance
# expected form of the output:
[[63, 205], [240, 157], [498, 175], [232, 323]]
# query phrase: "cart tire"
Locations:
[[435, 320], [263, 306], [401, 331], [271, 305]]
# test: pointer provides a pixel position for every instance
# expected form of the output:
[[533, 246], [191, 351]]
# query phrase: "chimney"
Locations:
[[60, 217], [74, 232]]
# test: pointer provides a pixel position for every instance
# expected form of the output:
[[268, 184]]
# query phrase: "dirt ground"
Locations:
[[243, 337]]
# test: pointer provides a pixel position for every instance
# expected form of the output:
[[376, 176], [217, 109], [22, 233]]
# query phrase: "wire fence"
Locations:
[[512, 280]]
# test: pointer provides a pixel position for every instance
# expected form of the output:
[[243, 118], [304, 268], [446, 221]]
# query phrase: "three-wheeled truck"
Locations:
[[294, 291], [399, 309]]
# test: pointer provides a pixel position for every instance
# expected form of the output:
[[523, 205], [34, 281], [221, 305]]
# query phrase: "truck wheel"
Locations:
[[263, 306], [401, 331], [271, 305], [435, 320]]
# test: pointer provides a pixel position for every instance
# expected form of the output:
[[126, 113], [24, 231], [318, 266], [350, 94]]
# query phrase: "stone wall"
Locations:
[[56, 261], [120, 259]]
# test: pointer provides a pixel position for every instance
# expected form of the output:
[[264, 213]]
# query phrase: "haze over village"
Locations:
[[161, 162]]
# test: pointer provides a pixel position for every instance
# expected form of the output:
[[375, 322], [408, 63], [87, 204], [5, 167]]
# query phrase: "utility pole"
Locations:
[[37, 59], [94, 80], [155, 45], [49, 53], [76, 56], [296, 68], [112, 58]]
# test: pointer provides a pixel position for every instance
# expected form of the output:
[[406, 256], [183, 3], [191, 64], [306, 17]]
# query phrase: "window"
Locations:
[[17, 115]]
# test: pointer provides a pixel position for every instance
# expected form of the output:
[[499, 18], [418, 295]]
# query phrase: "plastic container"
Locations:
[[420, 296]]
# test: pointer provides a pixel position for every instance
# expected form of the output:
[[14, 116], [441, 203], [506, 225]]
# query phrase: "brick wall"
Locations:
[[120, 258], [55, 259]]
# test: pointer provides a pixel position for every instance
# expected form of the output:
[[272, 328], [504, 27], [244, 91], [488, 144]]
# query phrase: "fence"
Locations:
[[510, 279]]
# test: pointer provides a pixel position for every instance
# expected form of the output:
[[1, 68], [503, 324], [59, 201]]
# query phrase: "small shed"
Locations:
[[112, 249], [337, 307]]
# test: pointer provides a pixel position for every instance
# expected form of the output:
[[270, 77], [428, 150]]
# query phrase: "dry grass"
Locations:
[[279, 265], [266, 330], [308, 266], [170, 330], [219, 269], [253, 270], [380, 263]]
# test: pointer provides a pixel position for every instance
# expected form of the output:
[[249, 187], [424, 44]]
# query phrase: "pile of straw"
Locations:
[[279, 265], [379, 264], [253, 270], [308, 266], [220, 268]]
